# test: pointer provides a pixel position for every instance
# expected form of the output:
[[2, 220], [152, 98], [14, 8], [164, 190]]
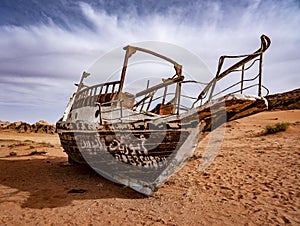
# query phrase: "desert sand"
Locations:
[[254, 180]]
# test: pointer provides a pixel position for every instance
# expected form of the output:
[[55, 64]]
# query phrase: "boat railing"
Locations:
[[183, 106], [245, 62], [155, 99], [104, 93], [147, 101], [159, 104], [146, 106]]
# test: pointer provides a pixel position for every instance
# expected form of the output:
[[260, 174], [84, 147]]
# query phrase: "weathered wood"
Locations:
[[141, 149]]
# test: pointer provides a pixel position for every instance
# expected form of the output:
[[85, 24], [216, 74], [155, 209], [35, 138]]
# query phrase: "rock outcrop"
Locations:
[[43, 127], [24, 127], [3, 124], [284, 101]]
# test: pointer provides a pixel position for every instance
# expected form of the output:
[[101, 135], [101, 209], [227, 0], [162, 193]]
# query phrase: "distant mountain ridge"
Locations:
[[24, 127]]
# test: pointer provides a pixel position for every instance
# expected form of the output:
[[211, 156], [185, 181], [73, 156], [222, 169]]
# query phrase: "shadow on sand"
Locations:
[[47, 182]]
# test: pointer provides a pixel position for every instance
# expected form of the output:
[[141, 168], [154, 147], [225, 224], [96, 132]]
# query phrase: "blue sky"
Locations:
[[45, 45]]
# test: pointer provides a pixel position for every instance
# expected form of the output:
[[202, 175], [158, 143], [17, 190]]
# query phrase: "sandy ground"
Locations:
[[254, 180]]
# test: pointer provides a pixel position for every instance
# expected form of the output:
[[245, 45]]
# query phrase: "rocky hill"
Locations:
[[284, 101], [24, 127]]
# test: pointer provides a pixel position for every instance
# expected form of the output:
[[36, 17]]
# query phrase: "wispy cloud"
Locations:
[[39, 62]]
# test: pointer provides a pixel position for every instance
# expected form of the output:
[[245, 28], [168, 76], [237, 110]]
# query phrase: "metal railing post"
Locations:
[[242, 78], [260, 75], [212, 89]]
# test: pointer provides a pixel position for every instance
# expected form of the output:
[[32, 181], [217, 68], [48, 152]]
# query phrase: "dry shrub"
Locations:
[[280, 126]]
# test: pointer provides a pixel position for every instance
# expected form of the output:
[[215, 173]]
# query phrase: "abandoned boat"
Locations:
[[141, 139]]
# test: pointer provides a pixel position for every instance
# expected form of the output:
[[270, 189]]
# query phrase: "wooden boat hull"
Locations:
[[140, 140], [143, 156], [142, 160]]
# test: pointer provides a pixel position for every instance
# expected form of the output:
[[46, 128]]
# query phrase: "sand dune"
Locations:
[[254, 180]]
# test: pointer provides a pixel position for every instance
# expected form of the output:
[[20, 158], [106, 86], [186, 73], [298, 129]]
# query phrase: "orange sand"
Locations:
[[254, 180]]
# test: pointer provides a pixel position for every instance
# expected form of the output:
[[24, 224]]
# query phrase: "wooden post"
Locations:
[[178, 97], [129, 51], [148, 83], [165, 94], [150, 101], [80, 85]]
